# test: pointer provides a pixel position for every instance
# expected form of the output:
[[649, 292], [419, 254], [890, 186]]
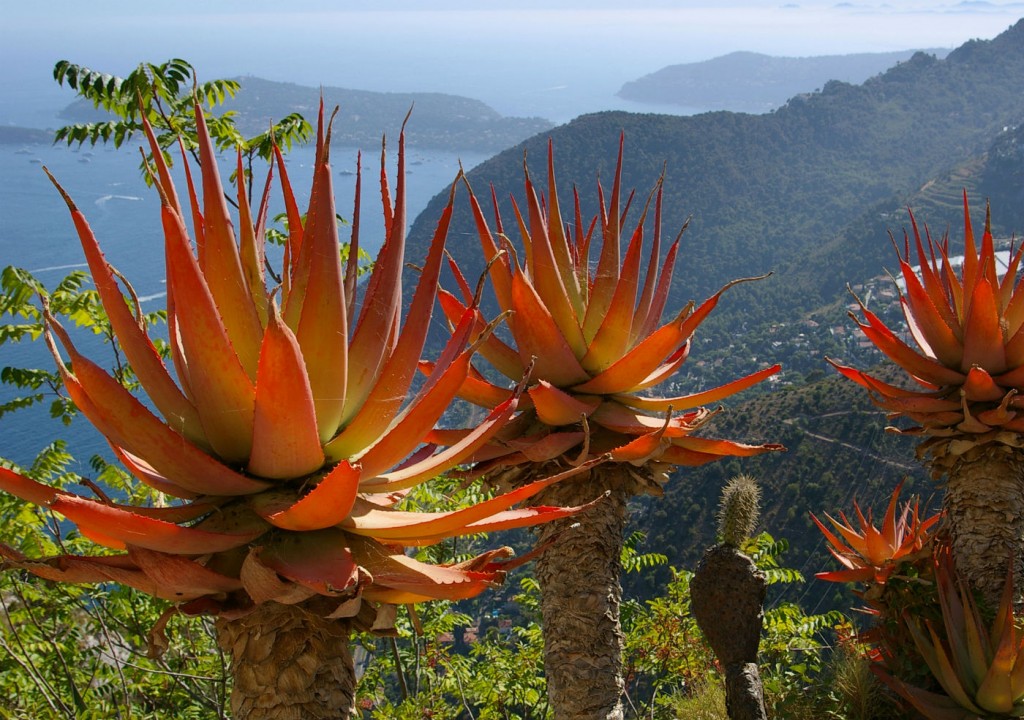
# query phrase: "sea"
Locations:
[[36, 234]]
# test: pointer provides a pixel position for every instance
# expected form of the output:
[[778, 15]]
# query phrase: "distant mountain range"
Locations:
[[755, 83], [809, 192]]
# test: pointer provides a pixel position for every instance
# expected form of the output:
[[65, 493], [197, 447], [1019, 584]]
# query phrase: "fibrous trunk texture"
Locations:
[[580, 596], [727, 594], [289, 664], [984, 504]]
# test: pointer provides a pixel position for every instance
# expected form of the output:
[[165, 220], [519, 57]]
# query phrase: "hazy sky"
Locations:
[[520, 56]]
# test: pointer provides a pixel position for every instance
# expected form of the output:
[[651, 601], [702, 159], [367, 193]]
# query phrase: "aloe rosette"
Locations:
[[871, 554], [589, 334], [591, 339], [290, 428], [966, 372], [979, 666]]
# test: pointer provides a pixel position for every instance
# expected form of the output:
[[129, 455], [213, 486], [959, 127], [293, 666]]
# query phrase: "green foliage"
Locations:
[[83, 652], [164, 94], [447, 665]]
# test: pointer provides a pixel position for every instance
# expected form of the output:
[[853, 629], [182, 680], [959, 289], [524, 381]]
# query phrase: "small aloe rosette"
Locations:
[[591, 338], [288, 427], [870, 554]]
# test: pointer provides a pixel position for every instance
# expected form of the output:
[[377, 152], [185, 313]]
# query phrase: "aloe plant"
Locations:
[[966, 374], [871, 554], [285, 432], [979, 666], [591, 339]]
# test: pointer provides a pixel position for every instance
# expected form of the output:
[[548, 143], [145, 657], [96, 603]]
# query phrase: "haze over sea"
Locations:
[[522, 58]]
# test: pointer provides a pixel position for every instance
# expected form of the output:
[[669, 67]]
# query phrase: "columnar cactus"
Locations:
[[727, 592]]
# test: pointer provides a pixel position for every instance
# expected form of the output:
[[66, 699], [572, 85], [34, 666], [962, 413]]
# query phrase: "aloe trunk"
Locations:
[[984, 505], [289, 664], [580, 596]]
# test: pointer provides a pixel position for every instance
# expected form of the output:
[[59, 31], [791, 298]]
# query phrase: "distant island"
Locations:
[[755, 83], [14, 135], [439, 121]]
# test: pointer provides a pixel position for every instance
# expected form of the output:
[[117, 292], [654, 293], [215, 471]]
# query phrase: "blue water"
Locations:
[[36, 233]]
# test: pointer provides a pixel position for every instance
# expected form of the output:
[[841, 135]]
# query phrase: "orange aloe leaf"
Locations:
[[221, 264], [497, 352], [932, 281], [223, 392], [555, 407], [643, 448], [724, 447], [325, 505], [698, 399], [863, 574], [903, 355], [163, 172], [606, 277], [934, 328], [251, 250], [538, 336], [375, 331], [678, 330], [410, 527], [475, 388], [560, 245], [934, 706], [500, 269], [285, 442], [26, 488], [612, 337], [295, 229], [971, 270], [616, 417], [550, 270], [983, 336], [322, 329], [382, 403], [319, 560], [180, 578], [396, 441], [874, 384], [463, 447], [131, 333], [1012, 296], [127, 423], [980, 387], [684, 457], [144, 532], [148, 474], [397, 575]]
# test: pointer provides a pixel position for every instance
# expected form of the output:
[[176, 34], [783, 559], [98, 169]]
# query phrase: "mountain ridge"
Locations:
[[755, 82]]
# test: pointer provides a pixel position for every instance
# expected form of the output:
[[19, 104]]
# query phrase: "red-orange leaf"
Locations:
[[285, 442], [144, 532], [555, 407], [325, 505]]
